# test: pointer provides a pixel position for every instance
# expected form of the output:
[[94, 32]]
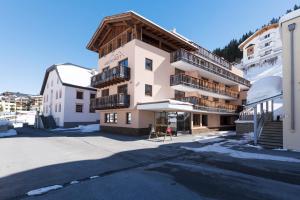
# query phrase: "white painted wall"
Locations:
[[67, 102], [260, 49]]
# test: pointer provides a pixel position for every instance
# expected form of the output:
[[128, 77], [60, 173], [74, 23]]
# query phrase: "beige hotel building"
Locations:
[[151, 76]]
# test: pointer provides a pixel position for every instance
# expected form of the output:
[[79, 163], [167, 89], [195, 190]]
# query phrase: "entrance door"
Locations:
[[183, 122]]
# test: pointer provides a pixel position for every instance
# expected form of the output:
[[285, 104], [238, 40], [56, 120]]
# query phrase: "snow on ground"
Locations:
[[43, 190], [81, 128], [264, 88], [225, 147], [10, 132], [213, 136], [4, 123]]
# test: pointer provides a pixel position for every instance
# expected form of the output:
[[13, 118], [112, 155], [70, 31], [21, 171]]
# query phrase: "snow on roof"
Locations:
[[75, 75], [264, 88], [289, 16]]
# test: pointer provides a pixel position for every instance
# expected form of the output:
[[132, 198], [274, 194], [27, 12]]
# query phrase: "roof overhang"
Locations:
[[257, 33], [130, 19], [165, 105]]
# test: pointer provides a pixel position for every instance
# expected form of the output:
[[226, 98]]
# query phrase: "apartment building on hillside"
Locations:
[[149, 75], [263, 47]]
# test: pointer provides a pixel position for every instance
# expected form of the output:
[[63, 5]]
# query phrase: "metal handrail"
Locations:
[[194, 59], [118, 72], [201, 84], [111, 101], [207, 105]]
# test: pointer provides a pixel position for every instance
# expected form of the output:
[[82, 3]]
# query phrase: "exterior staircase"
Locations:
[[271, 135], [48, 122]]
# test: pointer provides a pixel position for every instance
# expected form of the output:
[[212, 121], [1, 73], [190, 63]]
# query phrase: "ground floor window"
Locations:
[[128, 118], [79, 108], [204, 120], [196, 120], [110, 117]]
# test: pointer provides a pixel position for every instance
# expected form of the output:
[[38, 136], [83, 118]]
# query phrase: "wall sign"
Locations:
[[116, 56]]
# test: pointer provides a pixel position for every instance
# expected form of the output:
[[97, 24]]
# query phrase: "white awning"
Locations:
[[165, 105]]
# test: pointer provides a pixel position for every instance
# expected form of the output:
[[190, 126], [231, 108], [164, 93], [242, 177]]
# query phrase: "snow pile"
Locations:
[[5, 123], [26, 117], [43, 190], [218, 148], [264, 88], [225, 148], [213, 136], [10, 132], [81, 128], [256, 73], [89, 128]]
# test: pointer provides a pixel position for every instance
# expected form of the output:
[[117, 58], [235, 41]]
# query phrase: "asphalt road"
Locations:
[[134, 168]]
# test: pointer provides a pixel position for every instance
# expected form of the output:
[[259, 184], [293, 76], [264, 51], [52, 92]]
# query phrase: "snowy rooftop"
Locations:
[[290, 16], [71, 75], [75, 75]]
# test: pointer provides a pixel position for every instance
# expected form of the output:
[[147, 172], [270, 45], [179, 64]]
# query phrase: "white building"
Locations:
[[66, 94], [261, 48], [7, 104]]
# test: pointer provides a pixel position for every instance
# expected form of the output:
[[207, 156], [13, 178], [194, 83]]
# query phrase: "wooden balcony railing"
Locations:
[[111, 102], [212, 106], [182, 79], [194, 59], [111, 76]]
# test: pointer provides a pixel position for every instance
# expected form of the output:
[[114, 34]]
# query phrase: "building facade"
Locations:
[[67, 94], [36, 103], [149, 76], [23, 103], [7, 104], [290, 34], [263, 47]]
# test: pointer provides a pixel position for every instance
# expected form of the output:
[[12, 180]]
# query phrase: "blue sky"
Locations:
[[35, 34]]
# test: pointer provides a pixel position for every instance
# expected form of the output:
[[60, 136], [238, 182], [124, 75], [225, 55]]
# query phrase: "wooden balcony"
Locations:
[[111, 76], [210, 106], [219, 72], [115, 101], [205, 87]]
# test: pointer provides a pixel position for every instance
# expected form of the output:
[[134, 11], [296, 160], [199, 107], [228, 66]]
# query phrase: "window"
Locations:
[[122, 89], [268, 52], [60, 93], [105, 69], [148, 90], [267, 44], [128, 118], [204, 97], [56, 94], [92, 96], [59, 108], [79, 108], [79, 95], [216, 99], [105, 93], [196, 120], [244, 102], [119, 42], [110, 117], [204, 120], [266, 36], [55, 107], [123, 63], [148, 64], [179, 94]]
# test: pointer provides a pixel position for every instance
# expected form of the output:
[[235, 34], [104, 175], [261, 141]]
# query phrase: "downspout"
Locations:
[[291, 28], [255, 125]]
